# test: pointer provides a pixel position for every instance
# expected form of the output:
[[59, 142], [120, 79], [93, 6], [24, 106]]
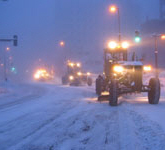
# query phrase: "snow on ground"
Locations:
[[55, 117]]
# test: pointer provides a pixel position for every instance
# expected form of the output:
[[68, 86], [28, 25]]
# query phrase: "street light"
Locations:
[[114, 9], [163, 36], [62, 43], [8, 48]]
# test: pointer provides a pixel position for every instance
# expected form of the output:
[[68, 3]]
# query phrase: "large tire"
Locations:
[[76, 82], [98, 87], [154, 92], [89, 81], [113, 97]]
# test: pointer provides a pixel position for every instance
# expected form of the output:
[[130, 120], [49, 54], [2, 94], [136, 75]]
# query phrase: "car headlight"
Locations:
[[71, 78], [118, 69], [147, 68], [88, 73]]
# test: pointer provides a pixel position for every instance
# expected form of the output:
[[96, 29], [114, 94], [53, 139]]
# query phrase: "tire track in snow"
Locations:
[[86, 131], [123, 129], [142, 133], [149, 133], [66, 107], [37, 93], [91, 127]]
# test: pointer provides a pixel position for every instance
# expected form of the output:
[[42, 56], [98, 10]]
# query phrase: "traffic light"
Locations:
[[15, 40], [13, 70], [137, 37]]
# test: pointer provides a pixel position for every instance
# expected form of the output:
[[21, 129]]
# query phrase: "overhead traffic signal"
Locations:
[[137, 37]]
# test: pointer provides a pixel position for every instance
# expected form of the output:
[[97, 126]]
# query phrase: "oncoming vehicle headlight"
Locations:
[[40, 73], [71, 78], [118, 69], [79, 73], [147, 68], [36, 76], [88, 73]]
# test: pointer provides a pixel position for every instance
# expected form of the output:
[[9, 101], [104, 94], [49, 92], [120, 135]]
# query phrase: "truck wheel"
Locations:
[[89, 81], [64, 80], [98, 86], [113, 98], [154, 92]]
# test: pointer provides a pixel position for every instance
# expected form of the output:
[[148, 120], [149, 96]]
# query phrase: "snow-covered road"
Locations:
[[54, 117]]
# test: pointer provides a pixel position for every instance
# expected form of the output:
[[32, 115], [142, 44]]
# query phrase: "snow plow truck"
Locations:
[[121, 76]]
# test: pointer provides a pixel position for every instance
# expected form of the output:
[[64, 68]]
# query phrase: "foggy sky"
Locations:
[[85, 26]]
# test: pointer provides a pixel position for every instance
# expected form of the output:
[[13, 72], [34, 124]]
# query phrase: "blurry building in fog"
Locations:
[[155, 25], [162, 9], [150, 27]]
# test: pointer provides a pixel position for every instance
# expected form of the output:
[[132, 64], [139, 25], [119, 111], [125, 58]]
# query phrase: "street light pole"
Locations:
[[5, 66], [119, 24], [156, 54], [156, 37], [115, 9]]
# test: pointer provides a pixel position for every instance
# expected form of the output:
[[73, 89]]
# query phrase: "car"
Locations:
[[74, 75], [123, 76]]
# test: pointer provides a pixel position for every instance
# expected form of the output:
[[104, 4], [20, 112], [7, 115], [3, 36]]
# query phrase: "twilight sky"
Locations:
[[85, 26]]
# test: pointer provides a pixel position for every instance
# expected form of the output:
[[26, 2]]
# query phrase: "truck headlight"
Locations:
[[36, 76], [78, 65], [79, 73], [125, 45], [112, 45], [118, 69], [71, 64], [71, 78], [147, 68]]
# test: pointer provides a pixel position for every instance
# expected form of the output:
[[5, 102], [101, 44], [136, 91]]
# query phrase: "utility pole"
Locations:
[[156, 54], [119, 24], [5, 67]]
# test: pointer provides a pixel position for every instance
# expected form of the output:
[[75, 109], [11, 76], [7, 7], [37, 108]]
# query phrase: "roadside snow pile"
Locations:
[[148, 76], [9, 88], [2, 90]]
